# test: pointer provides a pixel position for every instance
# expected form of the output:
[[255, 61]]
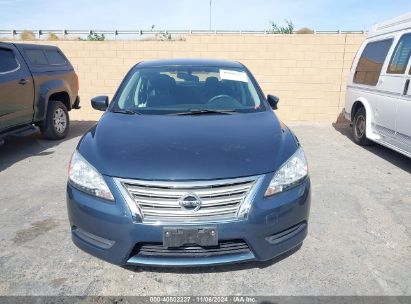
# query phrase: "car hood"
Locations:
[[176, 147]]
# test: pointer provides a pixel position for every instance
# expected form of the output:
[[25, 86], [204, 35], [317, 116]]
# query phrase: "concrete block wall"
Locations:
[[307, 72]]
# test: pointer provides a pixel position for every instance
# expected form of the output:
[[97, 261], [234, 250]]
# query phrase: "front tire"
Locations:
[[57, 123], [359, 128]]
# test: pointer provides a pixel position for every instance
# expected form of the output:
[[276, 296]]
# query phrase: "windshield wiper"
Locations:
[[126, 111], [205, 111]]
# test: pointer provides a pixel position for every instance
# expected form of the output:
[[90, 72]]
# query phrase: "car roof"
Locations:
[[25, 46], [43, 67], [32, 45], [396, 24], [191, 62]]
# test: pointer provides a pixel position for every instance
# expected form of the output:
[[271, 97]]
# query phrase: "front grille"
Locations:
[[159, 201], [223, 248]]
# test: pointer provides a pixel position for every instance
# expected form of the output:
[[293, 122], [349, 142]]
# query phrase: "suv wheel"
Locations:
[[57, 121], [359, 128]]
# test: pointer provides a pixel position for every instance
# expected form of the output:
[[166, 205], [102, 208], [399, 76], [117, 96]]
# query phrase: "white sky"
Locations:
[[194, 14]]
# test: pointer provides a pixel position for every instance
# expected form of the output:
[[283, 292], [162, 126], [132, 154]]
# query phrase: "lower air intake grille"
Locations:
[[223, 248]]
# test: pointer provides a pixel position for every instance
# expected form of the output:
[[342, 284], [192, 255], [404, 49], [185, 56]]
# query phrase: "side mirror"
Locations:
[[273, 101], [99, 103]]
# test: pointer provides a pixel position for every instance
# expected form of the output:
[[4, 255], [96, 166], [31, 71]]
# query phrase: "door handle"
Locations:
[[406, 85], [23, 81]]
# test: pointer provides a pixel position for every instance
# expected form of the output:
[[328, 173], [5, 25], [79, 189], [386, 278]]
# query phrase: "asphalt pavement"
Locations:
[[359, 240]]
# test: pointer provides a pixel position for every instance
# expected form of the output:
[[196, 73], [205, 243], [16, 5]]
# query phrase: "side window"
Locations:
[[8, 61], [399, 59], [55, 57], [36, 57], [371, 61]]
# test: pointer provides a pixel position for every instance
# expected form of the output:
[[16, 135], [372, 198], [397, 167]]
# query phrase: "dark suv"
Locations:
[[38, 86]]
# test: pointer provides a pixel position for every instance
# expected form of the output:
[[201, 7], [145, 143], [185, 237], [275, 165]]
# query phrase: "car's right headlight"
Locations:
[[291, 173], [86, 178]]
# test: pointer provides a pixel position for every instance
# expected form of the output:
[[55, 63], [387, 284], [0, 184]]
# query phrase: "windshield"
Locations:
[[185, 89]]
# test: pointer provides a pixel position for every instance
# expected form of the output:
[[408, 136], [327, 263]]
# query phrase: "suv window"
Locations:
[[36, 57], [8, 61], [371, 61], [55, 57], [401, 55]]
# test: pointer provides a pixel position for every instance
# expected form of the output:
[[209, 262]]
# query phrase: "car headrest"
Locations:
[[212, 81], [162, 82]]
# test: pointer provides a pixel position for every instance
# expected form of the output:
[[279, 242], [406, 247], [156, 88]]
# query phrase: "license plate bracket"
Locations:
[[180, 236]]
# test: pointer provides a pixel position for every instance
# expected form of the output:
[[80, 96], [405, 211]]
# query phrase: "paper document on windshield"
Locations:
[[233, 75]]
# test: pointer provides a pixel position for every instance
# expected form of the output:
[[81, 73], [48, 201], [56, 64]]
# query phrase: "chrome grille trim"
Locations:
[[158, 201]]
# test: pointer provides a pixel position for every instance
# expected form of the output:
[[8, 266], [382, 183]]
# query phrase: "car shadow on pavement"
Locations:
[[397, 159], [18, 148], [215, 268]]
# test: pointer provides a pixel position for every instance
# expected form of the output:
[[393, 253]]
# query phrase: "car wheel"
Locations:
[[359, 128], [57, 121]]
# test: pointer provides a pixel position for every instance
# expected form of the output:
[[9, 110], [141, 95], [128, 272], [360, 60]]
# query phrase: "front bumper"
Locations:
[[274, 226]]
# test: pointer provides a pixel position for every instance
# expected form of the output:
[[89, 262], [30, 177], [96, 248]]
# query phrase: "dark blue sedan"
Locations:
[[189, 165]]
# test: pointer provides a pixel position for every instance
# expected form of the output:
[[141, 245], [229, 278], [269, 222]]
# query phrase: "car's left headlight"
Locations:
[[86, 178], [291, 173]]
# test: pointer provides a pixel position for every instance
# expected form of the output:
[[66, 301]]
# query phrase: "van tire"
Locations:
[[57, 123], [359, 128]]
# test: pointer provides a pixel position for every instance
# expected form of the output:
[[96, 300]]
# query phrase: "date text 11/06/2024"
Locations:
[[203, 299]]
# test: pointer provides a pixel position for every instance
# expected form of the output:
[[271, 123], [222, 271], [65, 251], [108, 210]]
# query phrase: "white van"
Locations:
[[378, 99]]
